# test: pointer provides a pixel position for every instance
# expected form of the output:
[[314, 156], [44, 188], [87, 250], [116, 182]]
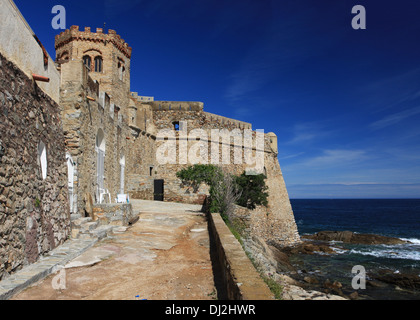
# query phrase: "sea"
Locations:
[[398, 218]]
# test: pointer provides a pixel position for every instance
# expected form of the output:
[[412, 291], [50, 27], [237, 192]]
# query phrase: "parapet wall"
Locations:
[[138, 98], [176, 105], [240, 279], [97, 37], [214, 118]]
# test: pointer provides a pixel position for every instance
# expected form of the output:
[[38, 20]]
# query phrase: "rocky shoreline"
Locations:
[[354, 238], [300, 284], [275, 264]]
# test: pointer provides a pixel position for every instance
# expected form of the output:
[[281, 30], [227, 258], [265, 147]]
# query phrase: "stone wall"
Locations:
[[240, 279], [85, 120], [279, 225], [34, 212], [116, 214], [195, 118], [275, 223]]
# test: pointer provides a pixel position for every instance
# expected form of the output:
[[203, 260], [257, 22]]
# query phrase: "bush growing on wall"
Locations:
[[226, 190], [253, 190]]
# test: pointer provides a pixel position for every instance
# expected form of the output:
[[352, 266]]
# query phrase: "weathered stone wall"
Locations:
[[116, 214], [279, 226], [195, 118], [34, 213], [240, 279], [275, 223], [84, 120], [141, 165]]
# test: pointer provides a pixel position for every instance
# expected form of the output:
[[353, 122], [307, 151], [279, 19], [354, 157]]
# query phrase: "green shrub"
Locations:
[[253, 190], [225, 189]]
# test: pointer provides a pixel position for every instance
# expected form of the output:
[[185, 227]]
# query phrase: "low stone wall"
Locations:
[[114, 214], [240, 279]]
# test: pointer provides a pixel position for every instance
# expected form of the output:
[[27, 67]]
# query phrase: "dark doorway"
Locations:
[[159, 189]]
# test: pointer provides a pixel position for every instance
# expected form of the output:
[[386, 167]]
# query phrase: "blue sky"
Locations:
[[344, 103]]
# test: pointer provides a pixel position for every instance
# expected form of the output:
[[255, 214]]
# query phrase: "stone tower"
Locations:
[[106, 56]]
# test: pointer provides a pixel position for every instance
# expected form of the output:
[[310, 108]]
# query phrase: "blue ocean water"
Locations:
[[388, 217], [397, 218]]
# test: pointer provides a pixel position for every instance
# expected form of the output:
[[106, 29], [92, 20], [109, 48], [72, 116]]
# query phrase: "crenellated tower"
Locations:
[[107, 57]]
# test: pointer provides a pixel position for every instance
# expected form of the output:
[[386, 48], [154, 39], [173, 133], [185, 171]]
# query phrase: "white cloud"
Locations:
[[336, 157], [304, 132], [292, 156], [395, 118], [329, 159]]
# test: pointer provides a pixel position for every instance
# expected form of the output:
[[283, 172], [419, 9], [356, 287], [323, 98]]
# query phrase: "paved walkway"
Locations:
[[164, 256]]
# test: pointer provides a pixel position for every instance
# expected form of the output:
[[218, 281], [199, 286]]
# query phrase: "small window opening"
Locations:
[[87, 60], [176, 125], [98, 64], [121, 70], [42, 156]]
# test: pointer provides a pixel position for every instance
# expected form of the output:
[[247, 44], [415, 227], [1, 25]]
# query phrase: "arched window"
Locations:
[[42, 157], [100, 149], [98, 64], [70, 171], [87, 60], [121, 69], [122, 174], [64, 56]]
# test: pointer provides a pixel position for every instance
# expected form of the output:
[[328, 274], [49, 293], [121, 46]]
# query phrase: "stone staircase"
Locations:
[[85, 228]]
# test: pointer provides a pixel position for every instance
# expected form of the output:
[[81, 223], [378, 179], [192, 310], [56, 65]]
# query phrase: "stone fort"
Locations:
[[74, 137]]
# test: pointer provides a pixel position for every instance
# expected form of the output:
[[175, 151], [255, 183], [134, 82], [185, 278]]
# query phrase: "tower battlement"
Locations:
[[106, 55], [99, 36]]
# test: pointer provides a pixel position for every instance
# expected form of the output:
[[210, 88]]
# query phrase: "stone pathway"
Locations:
[[164, 256], [56, 260]]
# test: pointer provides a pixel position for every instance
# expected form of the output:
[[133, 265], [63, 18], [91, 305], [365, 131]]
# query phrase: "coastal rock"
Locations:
[[311, 280], [283, 262], [402, 280], [334, 287], [292, 292], [268, 257], [375, 284], [285, 280], [308, 248], [354, 295], [354, 238]]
